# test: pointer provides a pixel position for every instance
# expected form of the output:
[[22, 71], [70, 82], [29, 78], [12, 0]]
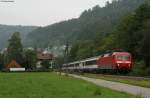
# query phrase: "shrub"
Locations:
[[138, 68]]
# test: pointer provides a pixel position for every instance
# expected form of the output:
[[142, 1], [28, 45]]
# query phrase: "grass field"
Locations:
[[143, 83], [51, 85]]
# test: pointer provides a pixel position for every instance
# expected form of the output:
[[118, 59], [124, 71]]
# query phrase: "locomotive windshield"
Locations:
[[123, 57]]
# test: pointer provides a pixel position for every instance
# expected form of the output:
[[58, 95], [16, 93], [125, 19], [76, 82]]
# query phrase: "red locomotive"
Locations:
[[114, 61]]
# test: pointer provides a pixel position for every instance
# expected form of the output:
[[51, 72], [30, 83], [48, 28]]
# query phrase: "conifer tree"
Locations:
[[15, 49]]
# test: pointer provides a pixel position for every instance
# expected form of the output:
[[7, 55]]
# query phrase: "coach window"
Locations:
[[110, 54], [106, 55], [94, 62], [91, 62], [70, 65], [76, 65], [83, 63]]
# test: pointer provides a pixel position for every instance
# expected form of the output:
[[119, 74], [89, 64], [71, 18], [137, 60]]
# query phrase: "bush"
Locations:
[[147, 71], [138, 68]]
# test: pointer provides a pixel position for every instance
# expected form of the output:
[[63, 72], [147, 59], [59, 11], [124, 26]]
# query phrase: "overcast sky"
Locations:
[[43, 12]]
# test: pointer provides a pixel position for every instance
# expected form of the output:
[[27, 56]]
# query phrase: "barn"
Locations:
[[14, 66]]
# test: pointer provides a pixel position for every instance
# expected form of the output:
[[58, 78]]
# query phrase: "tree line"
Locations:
[[26, 57]]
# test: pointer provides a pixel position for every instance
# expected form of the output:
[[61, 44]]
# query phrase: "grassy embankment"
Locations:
[[50, 85], [142, 83]]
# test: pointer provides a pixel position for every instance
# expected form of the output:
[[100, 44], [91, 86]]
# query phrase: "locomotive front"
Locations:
[[123, 60]]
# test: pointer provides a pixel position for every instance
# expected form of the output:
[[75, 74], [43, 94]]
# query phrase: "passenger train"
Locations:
[[112, 62]]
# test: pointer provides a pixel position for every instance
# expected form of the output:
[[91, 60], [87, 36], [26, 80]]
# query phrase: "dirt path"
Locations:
[[135, 90]]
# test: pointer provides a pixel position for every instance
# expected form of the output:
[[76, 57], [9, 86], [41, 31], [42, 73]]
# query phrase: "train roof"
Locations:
[[87, 59], [121, 53]]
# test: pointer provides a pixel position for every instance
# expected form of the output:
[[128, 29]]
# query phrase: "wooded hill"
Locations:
[[92, 21], [7, 30], [132, 34]]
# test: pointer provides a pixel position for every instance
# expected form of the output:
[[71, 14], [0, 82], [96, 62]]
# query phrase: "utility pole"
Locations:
[[66, 52]]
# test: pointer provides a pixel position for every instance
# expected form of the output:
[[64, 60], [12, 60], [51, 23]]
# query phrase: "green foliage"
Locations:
[[85, 50], [144, 44], [138, 68], [27, 57], [15, 49], [45, 64], [147, 71], [105, 43], [81, 50], [73, 52], [133, 33], [89, 48], [30, 59], [1, 61], [59, 61], [97, 43]]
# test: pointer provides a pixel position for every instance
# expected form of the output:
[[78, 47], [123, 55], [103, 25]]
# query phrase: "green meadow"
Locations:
[[51, 85]]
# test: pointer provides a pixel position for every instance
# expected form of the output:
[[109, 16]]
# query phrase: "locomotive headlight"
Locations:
[[118, 65], [129, 65], [119, 61]]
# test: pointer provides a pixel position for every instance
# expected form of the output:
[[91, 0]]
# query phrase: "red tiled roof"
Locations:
[[13, 64]]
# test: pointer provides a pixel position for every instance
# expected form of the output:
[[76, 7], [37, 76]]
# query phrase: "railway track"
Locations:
[[130, 77], [131, 80], [125, 77], [146, 78]]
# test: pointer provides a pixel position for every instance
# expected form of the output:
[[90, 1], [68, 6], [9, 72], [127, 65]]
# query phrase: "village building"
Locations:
[[43, 55]]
